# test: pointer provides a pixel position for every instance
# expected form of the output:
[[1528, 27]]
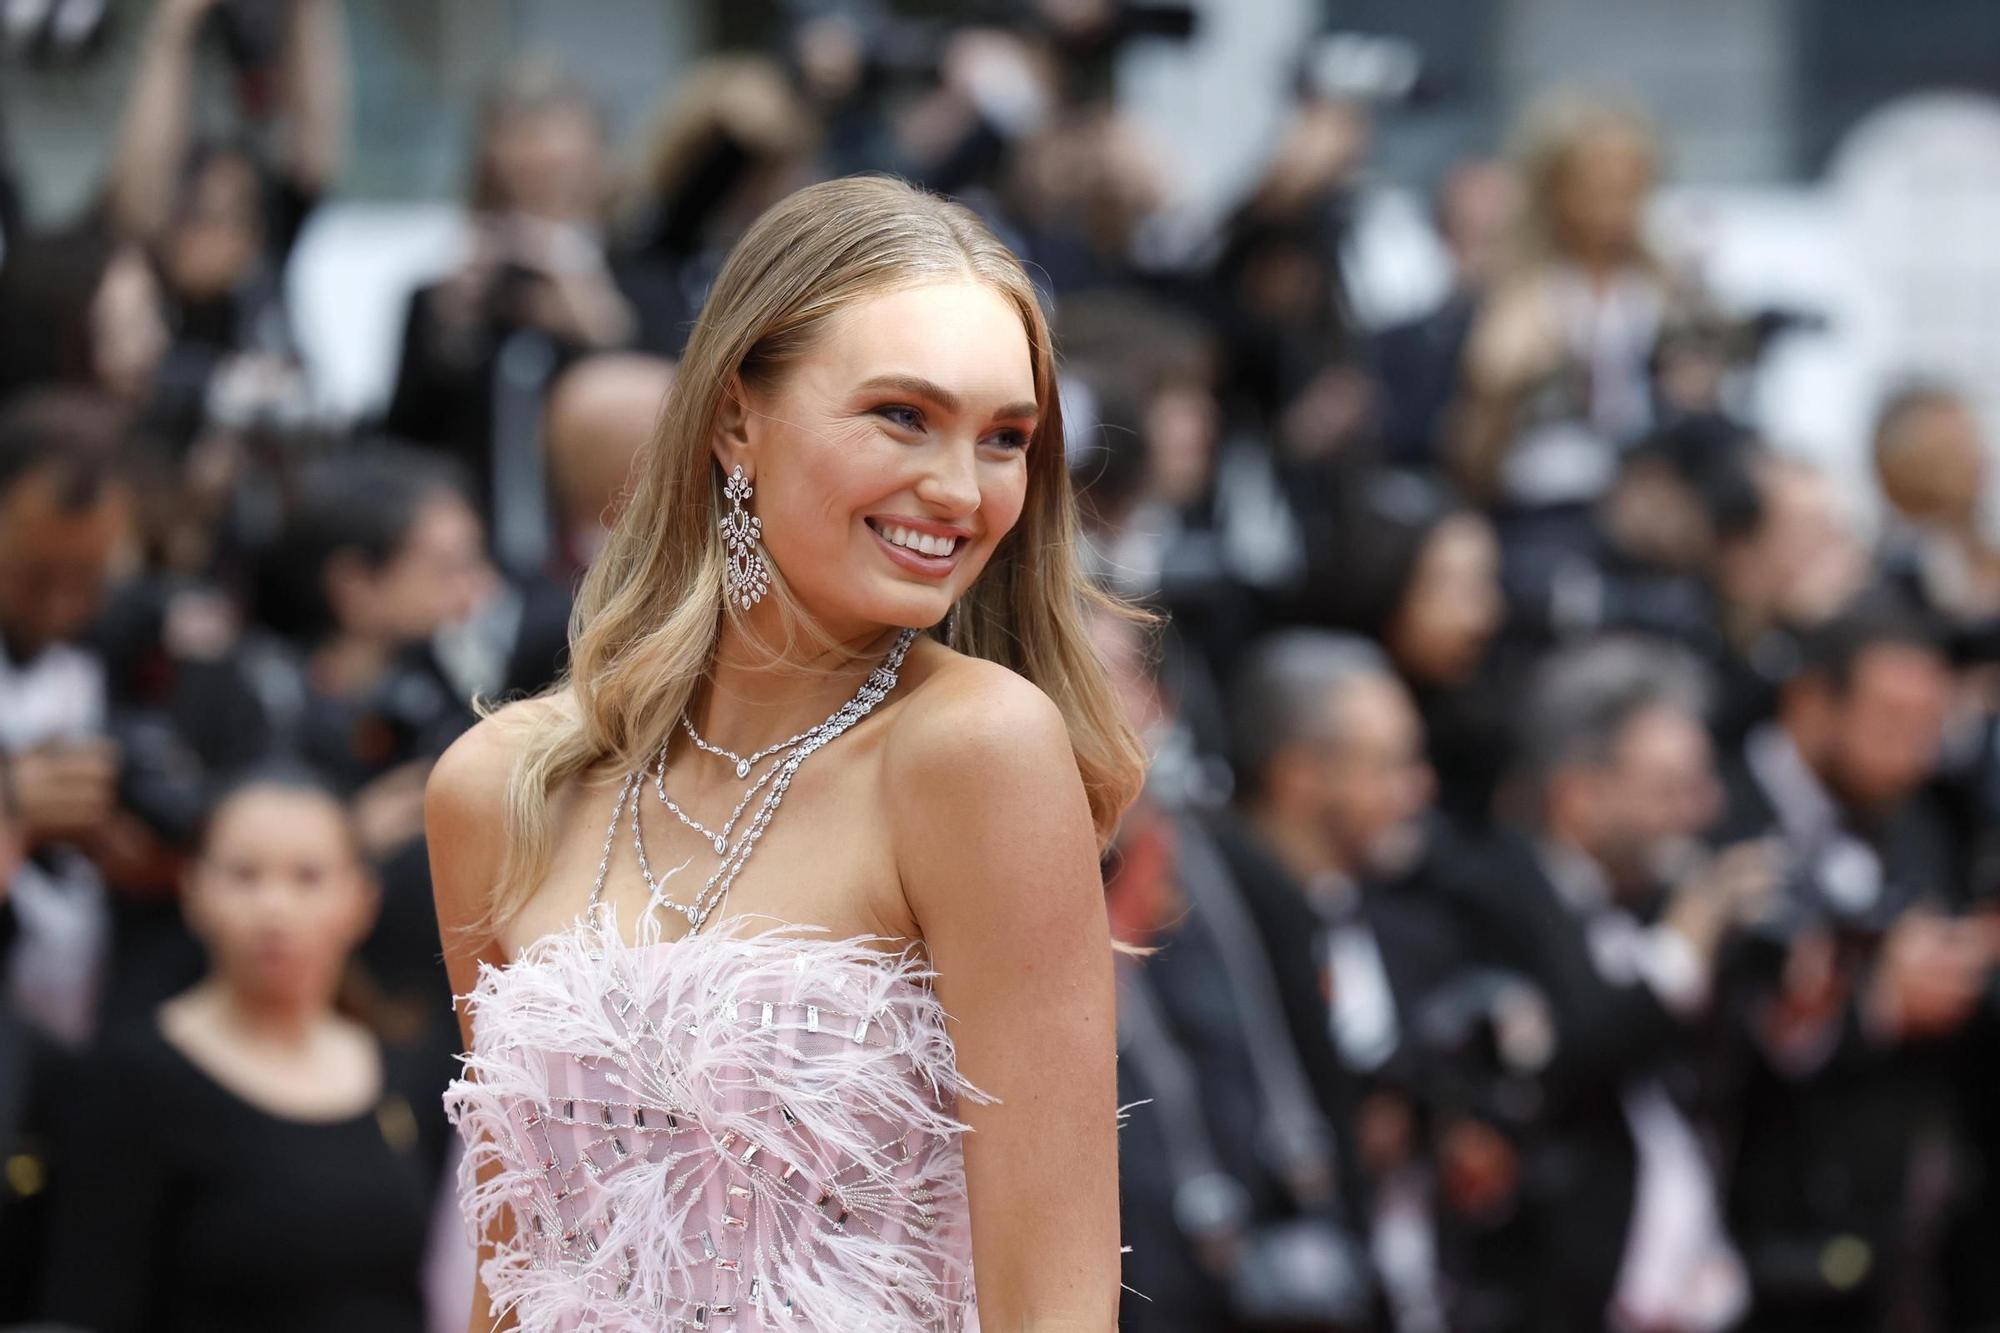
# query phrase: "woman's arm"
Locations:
[[153, 131], [463, 804], [998, 859], [315, 84]]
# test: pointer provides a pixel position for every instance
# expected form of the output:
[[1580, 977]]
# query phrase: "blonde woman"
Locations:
[[779, 921], [1558, 367]]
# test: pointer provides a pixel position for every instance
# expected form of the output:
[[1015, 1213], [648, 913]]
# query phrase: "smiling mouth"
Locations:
[[922, 546]]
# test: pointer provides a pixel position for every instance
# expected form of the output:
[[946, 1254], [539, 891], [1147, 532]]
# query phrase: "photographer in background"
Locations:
[[1601, 901], [221, 214], [537, 279], [1331, 828], [65, 521], [1853, 997]]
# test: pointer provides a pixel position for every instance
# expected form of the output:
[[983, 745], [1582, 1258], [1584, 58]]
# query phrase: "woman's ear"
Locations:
[[732, 428]]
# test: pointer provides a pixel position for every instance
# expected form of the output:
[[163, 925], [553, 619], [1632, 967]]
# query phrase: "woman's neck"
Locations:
[[754, 697], [291, 1023]]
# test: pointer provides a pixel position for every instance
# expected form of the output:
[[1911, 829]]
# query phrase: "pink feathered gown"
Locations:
[[729, 1131]]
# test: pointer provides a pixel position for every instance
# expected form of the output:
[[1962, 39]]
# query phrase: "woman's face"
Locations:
[[1601, 193], [438, 576], [279, 896], [220, 231], [909, 421], [1453, 605], [550, 163]]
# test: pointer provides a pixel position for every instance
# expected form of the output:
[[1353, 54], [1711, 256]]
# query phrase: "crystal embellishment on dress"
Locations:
[[710, 1147]]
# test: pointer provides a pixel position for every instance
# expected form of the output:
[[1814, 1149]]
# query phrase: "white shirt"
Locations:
[[59, 899], [1679, 1269]]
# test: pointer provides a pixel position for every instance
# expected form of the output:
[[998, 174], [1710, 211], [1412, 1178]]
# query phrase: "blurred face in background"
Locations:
[[1803, 561], [599, 416], [1931, 463], [1599, 193], [1876, 742], [57, 558], [1452, 607], [437, 576], [217, 236], [1478, 207], [548, 162], [1181, 424], [280, 896], [1656, 791], [1372, 783], [857, 452]]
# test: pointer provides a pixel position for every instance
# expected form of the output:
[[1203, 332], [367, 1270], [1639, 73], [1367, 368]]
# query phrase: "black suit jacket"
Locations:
[[1420, 952], [1579, 1163], [1820, 1197]]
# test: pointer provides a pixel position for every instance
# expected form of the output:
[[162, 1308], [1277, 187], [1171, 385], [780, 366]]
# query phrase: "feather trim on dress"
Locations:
[[725, 1131]]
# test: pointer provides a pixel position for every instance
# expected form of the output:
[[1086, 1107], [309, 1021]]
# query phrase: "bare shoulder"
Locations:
[[465, 802], [971, 714], [470, 777], [985, 803]]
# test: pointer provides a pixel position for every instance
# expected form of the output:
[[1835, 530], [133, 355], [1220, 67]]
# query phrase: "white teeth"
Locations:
[[917, 541]]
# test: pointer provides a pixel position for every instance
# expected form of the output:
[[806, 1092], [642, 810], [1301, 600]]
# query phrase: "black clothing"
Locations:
[[181, 1208], [1418, 364], [1419, 949], [1827, 1198], [1580, 1162]]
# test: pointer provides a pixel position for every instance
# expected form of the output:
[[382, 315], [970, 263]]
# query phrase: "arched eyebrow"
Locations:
[[919, 387]]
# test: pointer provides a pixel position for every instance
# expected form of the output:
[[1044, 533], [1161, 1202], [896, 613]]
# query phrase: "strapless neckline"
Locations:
[[905, 966]]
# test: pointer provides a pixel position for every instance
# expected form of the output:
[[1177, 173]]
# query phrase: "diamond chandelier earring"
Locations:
[[749, 577]]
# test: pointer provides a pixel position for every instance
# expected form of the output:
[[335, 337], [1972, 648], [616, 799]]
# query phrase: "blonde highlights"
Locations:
[[647, 619]]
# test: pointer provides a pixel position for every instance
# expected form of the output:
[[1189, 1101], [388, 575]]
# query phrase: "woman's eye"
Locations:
[[1012, 439], [917, 417]]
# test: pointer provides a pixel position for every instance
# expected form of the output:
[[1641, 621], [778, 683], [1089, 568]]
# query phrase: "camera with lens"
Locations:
[[1840, 887]]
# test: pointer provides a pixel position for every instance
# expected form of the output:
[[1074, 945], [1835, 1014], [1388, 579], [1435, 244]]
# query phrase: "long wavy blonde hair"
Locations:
[[647, 619]]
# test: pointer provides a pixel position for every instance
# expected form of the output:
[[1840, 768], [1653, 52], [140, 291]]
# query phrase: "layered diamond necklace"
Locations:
[[793, 751]]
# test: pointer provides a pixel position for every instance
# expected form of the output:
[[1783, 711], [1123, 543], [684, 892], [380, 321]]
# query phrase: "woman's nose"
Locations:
[[952, 484]]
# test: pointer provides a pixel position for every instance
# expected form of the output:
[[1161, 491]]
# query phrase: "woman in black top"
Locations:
[[243, 1162]]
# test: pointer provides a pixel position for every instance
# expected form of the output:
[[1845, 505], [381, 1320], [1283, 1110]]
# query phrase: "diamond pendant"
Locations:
[[742, 768], [720, 845]]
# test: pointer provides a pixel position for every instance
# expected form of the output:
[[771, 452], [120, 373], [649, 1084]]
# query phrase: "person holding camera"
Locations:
[[65, 519], [1329, 847], [65, 515], [1603, 900], [1856, 995], [220, 214], [536, 278]]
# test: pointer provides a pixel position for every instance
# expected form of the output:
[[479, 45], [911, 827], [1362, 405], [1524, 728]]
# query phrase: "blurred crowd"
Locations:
[[1566, 887]]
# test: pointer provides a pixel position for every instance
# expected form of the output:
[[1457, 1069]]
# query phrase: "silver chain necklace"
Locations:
[[743, 763], [873, 690], [719, 839]]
